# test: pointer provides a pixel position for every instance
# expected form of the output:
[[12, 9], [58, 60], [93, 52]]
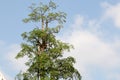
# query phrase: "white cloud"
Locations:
[[112, 12], [8, 53], [91, 50], [18, 64], [78, 22], [6, 76], [94, 26], [1, 43], [113, 76], [2, 76]]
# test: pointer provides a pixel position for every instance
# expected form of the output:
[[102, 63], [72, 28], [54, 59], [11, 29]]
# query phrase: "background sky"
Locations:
[[93, 27]]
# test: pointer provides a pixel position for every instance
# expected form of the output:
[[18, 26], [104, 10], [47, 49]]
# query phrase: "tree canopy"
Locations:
[[44, 51]]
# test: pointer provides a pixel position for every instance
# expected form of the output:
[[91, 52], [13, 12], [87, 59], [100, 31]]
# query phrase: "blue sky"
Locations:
[[93, 27]]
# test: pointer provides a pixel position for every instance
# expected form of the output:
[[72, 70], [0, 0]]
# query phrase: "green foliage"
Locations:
[[44, 12], [44, 51]]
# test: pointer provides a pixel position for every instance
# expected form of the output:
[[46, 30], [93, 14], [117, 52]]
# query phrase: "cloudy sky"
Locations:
[[93, 27]]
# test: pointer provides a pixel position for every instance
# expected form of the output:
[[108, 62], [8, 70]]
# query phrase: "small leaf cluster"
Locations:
[[46, 12]]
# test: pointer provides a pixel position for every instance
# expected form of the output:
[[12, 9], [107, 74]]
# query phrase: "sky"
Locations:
[[93, 27]]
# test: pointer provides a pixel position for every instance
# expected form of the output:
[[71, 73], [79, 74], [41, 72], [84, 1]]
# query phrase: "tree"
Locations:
[[44, 51]]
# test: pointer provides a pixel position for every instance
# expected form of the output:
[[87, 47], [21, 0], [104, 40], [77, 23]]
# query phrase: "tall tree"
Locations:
[[44, 51]]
